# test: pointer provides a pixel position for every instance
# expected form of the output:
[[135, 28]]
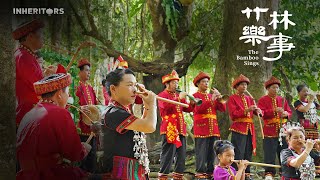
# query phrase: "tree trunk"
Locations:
[[55, 31], [164, 48], [7, 96], [231, 47]]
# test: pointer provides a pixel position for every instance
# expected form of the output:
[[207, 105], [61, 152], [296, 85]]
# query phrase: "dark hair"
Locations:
[[300, 87], [271, 85], [82, 67], [104, 82], [221, 146], [50, 94], [114, 78], [240, 83], [23, 39]]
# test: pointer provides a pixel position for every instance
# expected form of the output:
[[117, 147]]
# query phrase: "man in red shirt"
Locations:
[[28, 69], [241, 109], [274, 108], [47, 139], [205, 126], [172, 129], [86, 96]]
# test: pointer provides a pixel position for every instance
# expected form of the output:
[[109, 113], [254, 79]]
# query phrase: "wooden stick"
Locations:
[[92, 134], [259, 164], [172, 102], [168, 100], [90, 137], [261, 127], [85, 44], [81, 111], [264, 164]]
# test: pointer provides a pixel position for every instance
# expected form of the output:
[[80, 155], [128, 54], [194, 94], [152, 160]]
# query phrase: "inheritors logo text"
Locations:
[[48, 11]]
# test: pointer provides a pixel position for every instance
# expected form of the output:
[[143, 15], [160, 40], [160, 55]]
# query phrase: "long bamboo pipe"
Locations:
[[263, 164], [259, 164], [254, 102], [142, 91], [168, 100]]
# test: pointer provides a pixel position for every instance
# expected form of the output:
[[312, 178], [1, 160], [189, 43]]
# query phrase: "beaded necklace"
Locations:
[[274, 105], [140, 146], [245, 104], [29, 50]]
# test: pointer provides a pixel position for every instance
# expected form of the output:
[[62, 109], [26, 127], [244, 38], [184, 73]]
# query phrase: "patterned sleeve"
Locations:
[[118, 119], [297, 104], [286, 156], [315, 156]]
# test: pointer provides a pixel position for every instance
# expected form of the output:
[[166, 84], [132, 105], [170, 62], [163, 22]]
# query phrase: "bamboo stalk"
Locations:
[[264, 164], [90, 137], [168, 100], [260, 123], [259, 164], [172, 102]]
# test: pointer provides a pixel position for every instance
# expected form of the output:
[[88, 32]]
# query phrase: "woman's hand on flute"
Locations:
[[309, 145], [148, 97], [242, 164]]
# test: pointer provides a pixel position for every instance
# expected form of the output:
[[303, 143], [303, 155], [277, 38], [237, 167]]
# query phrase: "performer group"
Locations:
[[49, 146]]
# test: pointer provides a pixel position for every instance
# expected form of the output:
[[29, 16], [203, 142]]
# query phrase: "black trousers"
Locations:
[[242, 148], [271, 148], [90, 161], [205, 154], [168, 152]]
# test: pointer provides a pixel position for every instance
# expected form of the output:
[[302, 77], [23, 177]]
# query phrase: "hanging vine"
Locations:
[[171, 9]]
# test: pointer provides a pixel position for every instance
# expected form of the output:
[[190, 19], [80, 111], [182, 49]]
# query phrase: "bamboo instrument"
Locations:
[[254, 102], [168, 100], [259, 164], [222, 98], [263, 164], [90, 137], [92, 134]]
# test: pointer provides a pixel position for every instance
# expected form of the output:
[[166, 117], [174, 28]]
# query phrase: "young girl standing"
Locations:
[[225, 155]]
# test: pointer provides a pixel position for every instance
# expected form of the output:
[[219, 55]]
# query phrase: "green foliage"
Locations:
[[302, 63], [136, 8], [206, 22], [53, 58], [172, 17], [189, 120]]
